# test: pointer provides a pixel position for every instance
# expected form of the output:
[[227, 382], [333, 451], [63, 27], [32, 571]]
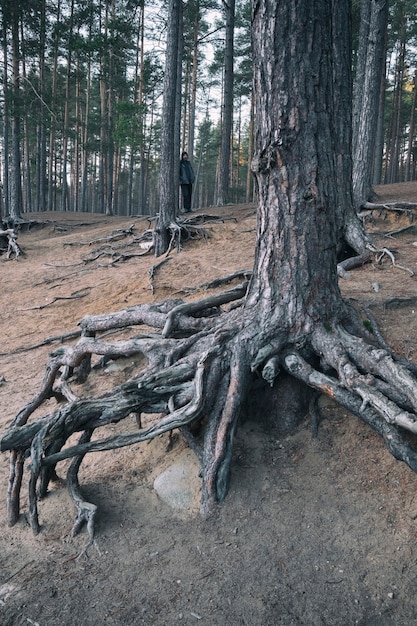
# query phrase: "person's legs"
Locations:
[[186, 197]]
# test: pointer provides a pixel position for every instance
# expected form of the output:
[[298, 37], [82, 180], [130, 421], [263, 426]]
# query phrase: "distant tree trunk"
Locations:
[[104, 170], [223, 170], [52, 123], [77, 131], [16, 197], [136, 134], [41, 180], [249, 186], [370, 68], [109, 122], [169, 177], [66, 129], [177, 117], [193, 86], [411, 131], [85, 135], [380, 131], [394, 139], [27, 205], [6, 122]]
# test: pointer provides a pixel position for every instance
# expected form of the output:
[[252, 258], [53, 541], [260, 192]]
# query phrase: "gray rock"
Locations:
[[177, 485]]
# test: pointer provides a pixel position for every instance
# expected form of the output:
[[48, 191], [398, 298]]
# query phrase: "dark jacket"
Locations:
[[186, 172]]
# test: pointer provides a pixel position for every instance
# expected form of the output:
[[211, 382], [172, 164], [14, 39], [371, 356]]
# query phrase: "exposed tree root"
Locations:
[[343, 267], [122, 244], [115, 235], [406, 208], [10, 246], [64, 336], [385, 252], [200, 366]]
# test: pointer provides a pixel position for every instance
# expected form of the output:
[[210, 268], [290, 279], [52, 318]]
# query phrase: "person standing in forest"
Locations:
[[186, 181]]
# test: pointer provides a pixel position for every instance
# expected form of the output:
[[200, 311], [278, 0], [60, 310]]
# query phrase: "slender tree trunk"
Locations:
[[85, 137], [193, 87], [6, 120], [104, 170], [65, 133], [380, 131], [185, 83], [370, 68], [411, 131], [77, 130], [16, 197], [41, 181], [136, 135], [393, 154], [222, 187], [27, 205], [52, 173], [109, 120], [168, 179], [142, 124], [250, 150]]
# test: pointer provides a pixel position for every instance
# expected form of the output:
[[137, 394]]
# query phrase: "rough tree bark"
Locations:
[[370, 67], [16, 196], [223, 173], [290, 318], [169, 173]]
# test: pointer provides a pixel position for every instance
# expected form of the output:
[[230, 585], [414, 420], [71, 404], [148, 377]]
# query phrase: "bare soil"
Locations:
[[314, 531]]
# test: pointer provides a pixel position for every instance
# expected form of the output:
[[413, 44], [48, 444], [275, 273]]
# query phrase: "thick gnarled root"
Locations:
[[199, 370], [368, 382]]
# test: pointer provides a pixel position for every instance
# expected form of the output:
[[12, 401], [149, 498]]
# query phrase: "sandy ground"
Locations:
[[314, 531]]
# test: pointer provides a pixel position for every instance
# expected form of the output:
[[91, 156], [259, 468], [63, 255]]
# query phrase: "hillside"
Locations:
[[315, 531]]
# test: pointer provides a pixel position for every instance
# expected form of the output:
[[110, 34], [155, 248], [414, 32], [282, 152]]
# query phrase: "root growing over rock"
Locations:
[[202, 359]]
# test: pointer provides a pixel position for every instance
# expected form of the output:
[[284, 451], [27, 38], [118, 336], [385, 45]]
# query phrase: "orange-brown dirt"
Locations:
[[314, 531]]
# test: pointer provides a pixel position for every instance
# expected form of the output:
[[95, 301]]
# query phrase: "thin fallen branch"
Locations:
[[399, 231], [39, 307], [62, 337], [390, 206], [115, 235]]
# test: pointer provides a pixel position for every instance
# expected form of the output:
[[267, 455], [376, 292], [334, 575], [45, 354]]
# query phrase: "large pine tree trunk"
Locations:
[[295, 267]]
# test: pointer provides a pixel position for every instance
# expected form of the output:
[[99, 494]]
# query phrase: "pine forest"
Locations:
[[81, 89]]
